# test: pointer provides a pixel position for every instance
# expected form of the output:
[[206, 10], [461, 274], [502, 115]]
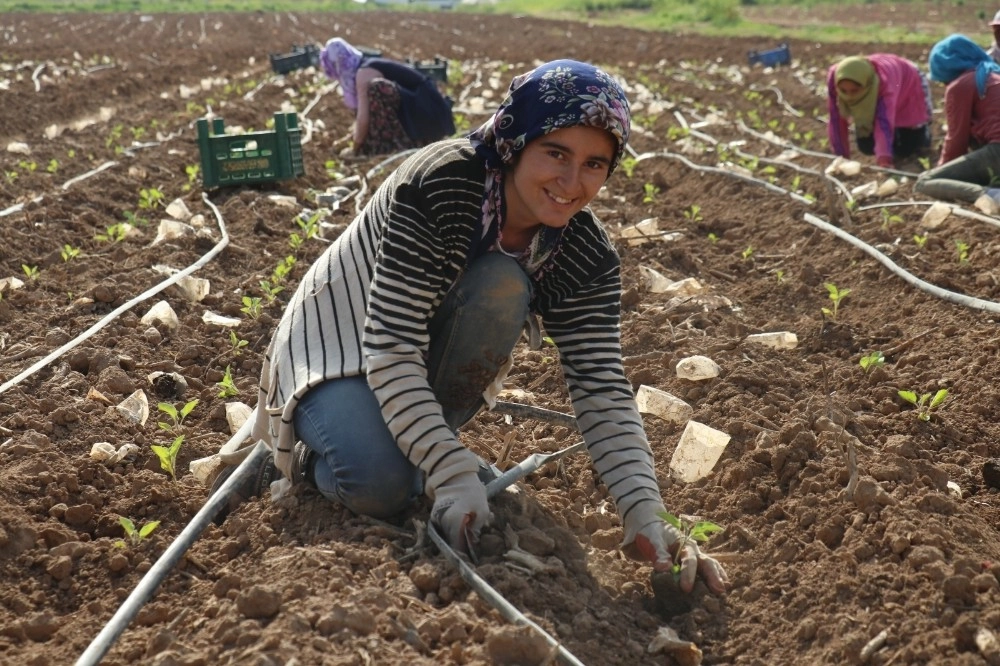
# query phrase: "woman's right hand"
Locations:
[[461, 510]]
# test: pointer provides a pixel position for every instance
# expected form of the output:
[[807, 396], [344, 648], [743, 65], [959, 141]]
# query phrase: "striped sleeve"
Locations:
[[428, 220], [585, 325]]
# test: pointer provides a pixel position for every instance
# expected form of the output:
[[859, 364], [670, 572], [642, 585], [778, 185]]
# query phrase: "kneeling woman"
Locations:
[[969, 168], [402, 330], [888, 99], [395, 106]]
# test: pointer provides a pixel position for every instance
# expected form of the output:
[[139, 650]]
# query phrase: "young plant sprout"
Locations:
[[693, 213], [177, 416], [30, 271], [920, 240], [251, 306], [168, 455], [227, 389], [236, 343], [649, 192], [871, 360], [836, 295], [926, 403], [134, 535], [888, 219], [271, 291], [747, 253], [115, 233], [963, 251], [150, 198], [69, 252]]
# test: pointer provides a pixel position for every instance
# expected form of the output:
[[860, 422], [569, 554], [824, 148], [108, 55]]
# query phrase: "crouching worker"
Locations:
[[969, 168], [889, 101], [395, 106], [397, 331]]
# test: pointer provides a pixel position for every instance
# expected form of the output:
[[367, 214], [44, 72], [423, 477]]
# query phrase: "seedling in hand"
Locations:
[[168, 455], [871, 360], [691, 529], [836, 295], [135, 536], [926, 403]]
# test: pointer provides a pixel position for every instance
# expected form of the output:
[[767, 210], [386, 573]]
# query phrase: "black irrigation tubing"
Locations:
[[540, 413], [944, 294], [111, 316]]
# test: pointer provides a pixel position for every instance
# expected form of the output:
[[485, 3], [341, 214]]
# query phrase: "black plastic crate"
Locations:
[[781, 55], [300, 57]]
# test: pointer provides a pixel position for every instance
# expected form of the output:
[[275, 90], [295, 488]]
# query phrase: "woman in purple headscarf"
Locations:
[[403, 330], [396, 106]]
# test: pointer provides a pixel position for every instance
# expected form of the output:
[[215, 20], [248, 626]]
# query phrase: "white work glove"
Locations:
[[460, 510], [648, 537]]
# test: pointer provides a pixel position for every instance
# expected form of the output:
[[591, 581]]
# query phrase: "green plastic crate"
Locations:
[[254, 157]]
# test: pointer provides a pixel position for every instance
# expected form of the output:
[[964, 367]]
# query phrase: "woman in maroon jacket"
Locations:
[[969, 167]]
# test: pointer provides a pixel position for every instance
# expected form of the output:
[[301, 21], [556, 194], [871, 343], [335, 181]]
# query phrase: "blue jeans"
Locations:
[[472, 334], [963, 179]]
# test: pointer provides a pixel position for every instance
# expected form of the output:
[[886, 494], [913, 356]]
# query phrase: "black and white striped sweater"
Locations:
[[364, 307]]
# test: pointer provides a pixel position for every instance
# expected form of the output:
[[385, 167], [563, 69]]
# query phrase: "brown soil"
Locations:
[[818, 569]]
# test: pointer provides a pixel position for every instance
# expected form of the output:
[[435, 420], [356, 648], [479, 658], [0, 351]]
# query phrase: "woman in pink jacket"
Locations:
[[889, 101]]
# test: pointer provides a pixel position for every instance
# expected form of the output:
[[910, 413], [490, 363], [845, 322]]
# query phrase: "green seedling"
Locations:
[[691, 529], [53, 165], [236, 343], [649, 192], [779, 274], [747, 253], [309, 226], [114, 135], [115, 233], [963, 251], [693, 213], [713, 237], [925, 162], [192, 171], [11, 176], [168, 455], [295, 241], [283, 268], [251, 306], [227, 389], [628, 165], [28, 165], [150, 198], [888, 220], [177, 416], [30, 271], [925, 403], [331, 170], [920, 240], [68, 252], [271, 291], [135, 536], [676, 132], [137, 133], [135, 220], [836, 295], [871, 360]]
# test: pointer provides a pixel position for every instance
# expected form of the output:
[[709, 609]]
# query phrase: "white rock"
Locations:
[[696, 368], [642, 232], [102, 451], [135, 407], [935, 216], [219, 320], [172, 230], [776, 339], [865, 191], [843, 166], [656, 282], [888, 188], [18, 148], [662, 404], [164, 313], [684, 288], [10, 283], [237, 414], [699, 448], [178, 210]]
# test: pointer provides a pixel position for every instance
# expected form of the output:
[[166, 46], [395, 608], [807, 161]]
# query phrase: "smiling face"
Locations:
[[555, 176]]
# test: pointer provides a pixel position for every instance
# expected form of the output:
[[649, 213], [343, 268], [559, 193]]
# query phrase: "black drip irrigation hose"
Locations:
[[540, 413]]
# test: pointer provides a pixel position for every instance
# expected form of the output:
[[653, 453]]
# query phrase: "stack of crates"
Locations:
[[299, 58], [437, 70], [254, 157]]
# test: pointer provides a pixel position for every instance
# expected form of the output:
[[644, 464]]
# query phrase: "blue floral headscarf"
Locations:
[[556, 95], [957, 54]]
